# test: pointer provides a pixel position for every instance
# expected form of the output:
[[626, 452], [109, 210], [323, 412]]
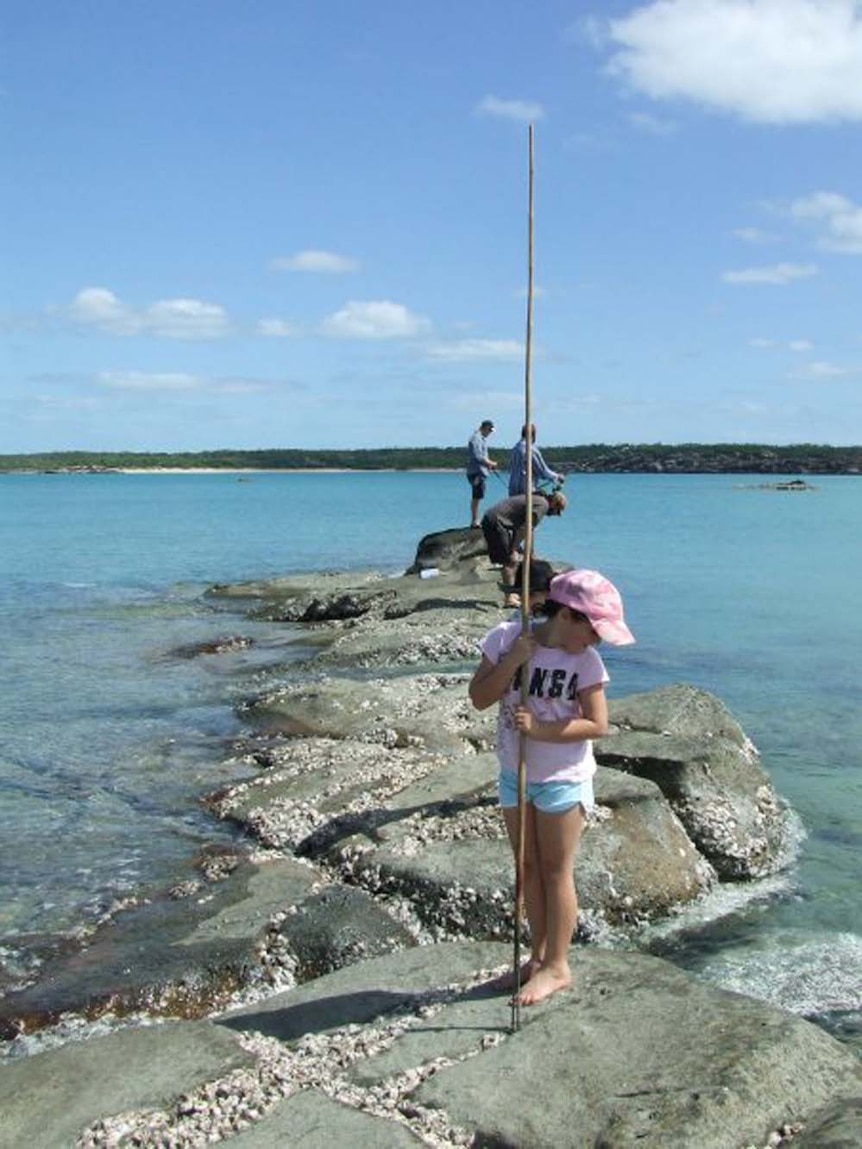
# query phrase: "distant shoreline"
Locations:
[[235, 471], [797, 460]]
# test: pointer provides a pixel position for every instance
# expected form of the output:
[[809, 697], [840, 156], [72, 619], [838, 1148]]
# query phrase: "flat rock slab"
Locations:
[[385, 623], [312, 783], [420, 1043], [312, 1121], [451, 858], [366, 992], [48, 1099], [636, 1053], [641, 1054], [345, 596], [429, 711]]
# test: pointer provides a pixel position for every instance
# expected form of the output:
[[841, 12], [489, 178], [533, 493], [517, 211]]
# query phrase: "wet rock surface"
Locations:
[[363, 924]]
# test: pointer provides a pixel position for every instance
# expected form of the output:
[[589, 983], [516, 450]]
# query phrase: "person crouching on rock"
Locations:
[[567, 709], [541, 573], [504, 526]]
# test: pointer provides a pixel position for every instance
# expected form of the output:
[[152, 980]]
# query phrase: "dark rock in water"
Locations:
[[185, 954], [180, 956], [444, 549], [227, 645], [792, 485]]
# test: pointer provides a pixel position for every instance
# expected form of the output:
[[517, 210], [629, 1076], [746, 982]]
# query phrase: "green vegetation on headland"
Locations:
[[682, 458]]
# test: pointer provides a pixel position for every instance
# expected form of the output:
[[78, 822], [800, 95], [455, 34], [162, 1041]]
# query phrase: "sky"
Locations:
[[264, 223]]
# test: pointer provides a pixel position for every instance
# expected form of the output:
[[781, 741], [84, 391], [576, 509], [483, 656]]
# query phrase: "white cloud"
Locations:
[[472, 350], [767, 61], [324, 262], [797, 346], [824, 370], [167, 318], [276, 328], [98, 307], [374, 319], [840, 216], [149, 381], [177, 381], [755, 235], [521, 111], [652, 125], [779, 274], [186, 319]]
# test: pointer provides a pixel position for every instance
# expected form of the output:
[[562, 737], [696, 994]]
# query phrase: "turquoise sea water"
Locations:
[[107, 739]]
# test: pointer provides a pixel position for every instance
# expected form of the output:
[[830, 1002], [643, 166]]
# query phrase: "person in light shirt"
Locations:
[[479, 466], [542, 473], [566, 709]]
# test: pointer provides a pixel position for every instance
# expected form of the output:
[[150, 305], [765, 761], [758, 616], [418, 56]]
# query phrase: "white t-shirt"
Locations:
[[555, 679]]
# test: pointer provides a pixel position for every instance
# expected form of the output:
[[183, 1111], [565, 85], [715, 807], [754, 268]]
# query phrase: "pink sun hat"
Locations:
[[595, 596]]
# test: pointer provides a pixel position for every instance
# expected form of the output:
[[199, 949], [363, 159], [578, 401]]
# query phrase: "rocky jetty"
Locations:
[[334, 981]]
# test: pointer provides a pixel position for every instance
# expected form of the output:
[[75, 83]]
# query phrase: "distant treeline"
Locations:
[[682, 458]]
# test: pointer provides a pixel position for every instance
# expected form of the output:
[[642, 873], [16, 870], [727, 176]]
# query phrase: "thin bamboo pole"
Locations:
[[525, 605]]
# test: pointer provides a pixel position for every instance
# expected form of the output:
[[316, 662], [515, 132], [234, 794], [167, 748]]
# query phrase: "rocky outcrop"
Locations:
[[443, 550], [687, 742], [365, 925]]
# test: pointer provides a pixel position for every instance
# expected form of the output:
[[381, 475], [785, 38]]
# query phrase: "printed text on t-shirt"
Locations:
[[547, 683]]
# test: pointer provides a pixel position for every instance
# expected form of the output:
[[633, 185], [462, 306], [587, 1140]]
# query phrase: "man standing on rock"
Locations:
[[479, 464], [505, 525], [542, 473]]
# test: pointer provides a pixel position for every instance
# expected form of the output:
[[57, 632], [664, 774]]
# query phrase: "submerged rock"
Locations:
[[265, 924]]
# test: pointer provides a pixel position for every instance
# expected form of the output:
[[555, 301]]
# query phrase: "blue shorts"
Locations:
[[549, 797]]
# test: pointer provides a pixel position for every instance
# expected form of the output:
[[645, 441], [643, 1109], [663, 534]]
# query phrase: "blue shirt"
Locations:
[[477, 455], [518, 469]]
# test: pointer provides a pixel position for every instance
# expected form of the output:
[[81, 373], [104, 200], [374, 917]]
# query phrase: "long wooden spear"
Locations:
[[525, 604]]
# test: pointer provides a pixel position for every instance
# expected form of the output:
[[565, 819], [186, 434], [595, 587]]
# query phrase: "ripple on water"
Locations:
[[810, 977]]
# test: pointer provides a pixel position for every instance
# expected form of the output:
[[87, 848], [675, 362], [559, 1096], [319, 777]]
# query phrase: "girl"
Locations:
[[567, 709]]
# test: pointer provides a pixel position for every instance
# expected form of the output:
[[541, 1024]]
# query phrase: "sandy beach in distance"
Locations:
[[279, 470]]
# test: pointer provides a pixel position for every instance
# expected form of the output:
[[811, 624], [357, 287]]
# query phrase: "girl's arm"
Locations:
[[592, 724], [491, 681]]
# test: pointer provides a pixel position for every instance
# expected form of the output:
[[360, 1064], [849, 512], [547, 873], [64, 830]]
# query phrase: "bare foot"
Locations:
[[545, 982], [507, 980]]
